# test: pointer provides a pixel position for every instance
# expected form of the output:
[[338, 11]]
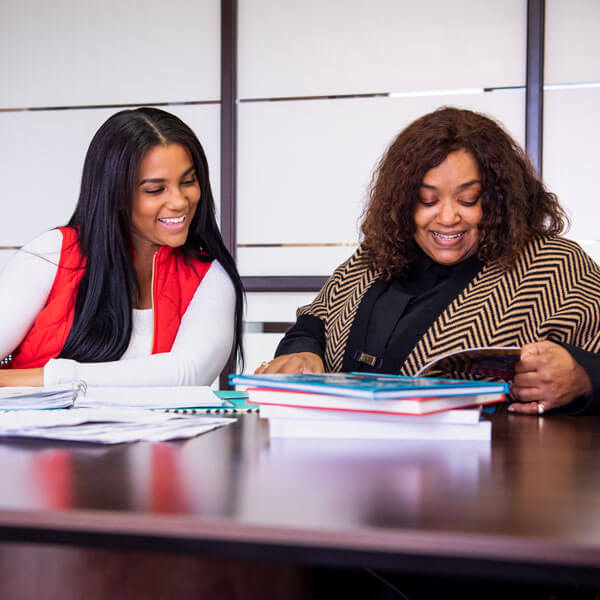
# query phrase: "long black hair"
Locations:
[[102, 324]]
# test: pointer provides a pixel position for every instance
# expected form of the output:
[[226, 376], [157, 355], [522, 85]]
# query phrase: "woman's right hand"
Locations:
[[300, 362]]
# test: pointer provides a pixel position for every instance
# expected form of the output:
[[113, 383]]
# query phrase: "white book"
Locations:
[[360, 429], [462, 415], [162, 397]]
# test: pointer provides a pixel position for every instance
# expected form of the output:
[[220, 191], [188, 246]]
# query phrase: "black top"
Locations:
[[394, 315]]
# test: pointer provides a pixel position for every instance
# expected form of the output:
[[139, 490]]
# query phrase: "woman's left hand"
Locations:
[[547, 377], [18, 377]]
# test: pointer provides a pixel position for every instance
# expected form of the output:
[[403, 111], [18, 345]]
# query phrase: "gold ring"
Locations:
[[264, 364], [540, 408]]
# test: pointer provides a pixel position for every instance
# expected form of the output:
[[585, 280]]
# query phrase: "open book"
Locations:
[[493, 362]]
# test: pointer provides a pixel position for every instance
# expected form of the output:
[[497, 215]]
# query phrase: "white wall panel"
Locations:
[[572, 41], [591, 247], [571, 133], [259, 347], [304, 168], [4, 257], [279, 307], [313, 47], [41, 157], [72, 53]]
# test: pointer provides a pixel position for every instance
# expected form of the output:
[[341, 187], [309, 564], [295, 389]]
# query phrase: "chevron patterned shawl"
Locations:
[[551, 292]]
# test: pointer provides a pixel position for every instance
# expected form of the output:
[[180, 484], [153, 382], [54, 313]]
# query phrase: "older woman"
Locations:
[[460, 250]]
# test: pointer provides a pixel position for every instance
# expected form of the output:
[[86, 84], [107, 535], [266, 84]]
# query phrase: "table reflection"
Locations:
[[537, 477]]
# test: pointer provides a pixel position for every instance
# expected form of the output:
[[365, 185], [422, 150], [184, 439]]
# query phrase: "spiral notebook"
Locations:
[[237, 404]]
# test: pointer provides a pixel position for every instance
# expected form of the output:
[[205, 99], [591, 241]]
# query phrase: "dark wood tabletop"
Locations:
[[528, 501]]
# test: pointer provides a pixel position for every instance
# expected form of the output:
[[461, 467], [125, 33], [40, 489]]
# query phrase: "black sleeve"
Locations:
[[307, 335], [590, 361]]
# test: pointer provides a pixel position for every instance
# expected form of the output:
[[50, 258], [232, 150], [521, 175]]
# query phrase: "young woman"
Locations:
[[138, 288]]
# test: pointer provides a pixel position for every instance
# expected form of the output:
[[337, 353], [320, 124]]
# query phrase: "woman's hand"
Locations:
[[547, 377], [300, 362], [18, 377]]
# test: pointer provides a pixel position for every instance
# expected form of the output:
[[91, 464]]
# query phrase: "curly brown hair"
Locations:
[[515, 204]]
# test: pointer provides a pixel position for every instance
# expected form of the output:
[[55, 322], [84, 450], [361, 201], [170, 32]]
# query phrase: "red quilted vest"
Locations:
[[174, 282]]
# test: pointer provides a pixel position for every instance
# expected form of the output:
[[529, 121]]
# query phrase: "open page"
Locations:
[[189, 396], [494, 362]]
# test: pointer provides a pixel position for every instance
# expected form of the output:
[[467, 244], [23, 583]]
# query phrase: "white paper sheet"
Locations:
[[106, 425]]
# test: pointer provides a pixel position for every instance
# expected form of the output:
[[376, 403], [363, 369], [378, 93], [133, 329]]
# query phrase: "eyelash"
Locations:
[[463, 202], [187, 182]]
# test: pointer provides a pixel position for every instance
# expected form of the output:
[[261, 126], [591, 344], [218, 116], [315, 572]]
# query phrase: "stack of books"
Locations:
[[364, 405]]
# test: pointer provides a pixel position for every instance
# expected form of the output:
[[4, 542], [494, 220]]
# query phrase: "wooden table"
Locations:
[[525, 506]]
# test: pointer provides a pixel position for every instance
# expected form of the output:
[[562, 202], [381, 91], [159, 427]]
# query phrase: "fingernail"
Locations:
[[511, 408]]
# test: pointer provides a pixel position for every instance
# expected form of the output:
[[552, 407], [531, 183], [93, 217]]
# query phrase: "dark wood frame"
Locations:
[[289, 283], [534, 92], [229, 12]]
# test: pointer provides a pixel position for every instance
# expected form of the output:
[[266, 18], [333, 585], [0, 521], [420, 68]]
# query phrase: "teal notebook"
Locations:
[[236, 403]]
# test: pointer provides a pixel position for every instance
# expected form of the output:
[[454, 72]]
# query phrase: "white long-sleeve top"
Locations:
[[200, 350]]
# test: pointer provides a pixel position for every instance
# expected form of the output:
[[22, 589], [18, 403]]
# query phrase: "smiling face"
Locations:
[[166, 195], [448, 212]]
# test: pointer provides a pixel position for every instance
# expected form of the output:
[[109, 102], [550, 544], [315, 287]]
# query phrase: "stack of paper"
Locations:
[[105, 425], [66, 395], [29, 398], [371, 406]]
